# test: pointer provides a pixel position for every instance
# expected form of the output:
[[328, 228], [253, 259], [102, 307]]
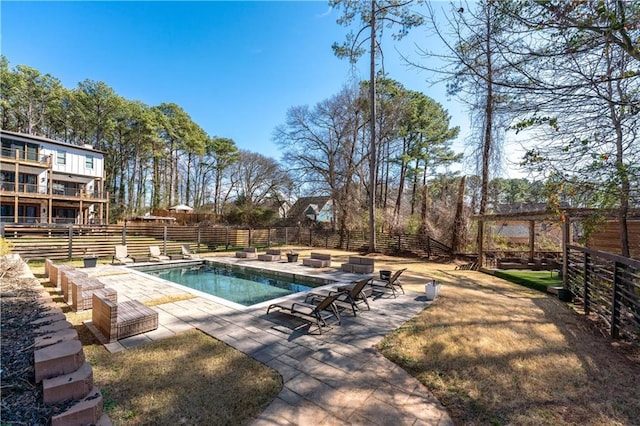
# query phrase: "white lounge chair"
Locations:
[[155, 254], [187, 253], [121, 255]]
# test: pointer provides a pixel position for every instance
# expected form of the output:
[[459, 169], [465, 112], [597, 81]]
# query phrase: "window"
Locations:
[[88, 162], [62, 157], [25, 150]]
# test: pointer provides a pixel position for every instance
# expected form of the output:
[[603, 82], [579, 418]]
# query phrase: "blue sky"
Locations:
[[234, 67]]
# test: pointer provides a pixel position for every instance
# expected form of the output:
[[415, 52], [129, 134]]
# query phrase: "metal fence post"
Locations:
[[249, 238], [286, 236], [1, 230], [70, 242], [124, 234], [198, 238], [615, 310], [586, 283], [164, 240], [269, 236]]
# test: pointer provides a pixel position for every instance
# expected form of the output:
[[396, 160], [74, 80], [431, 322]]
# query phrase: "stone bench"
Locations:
[[116, 321], [317, 260], [247, 253], [359, 265], [272, 255]]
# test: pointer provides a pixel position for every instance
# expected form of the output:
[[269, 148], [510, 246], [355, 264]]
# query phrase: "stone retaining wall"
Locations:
[[60, 365]]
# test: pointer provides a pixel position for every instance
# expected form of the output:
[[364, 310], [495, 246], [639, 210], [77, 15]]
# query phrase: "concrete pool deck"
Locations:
[[337, 377]]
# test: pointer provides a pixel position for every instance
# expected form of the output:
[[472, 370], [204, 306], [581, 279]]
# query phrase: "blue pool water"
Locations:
[[242, 287]]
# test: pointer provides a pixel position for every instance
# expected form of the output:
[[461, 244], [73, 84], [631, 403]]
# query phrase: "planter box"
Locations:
[[90, 261], [292, 257]]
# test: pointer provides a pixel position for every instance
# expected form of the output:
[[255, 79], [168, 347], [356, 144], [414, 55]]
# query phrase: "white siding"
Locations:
[[75, 160]]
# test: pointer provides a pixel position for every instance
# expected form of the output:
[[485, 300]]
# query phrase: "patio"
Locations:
[[332, 378]]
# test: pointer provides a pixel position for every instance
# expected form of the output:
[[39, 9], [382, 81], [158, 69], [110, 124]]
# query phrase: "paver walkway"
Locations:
[[337, 377]]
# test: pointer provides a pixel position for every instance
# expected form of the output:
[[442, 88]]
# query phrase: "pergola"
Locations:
[[565, 216]]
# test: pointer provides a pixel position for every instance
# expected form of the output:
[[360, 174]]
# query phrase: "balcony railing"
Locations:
[[26, 156], [27, 188], [35, 220]]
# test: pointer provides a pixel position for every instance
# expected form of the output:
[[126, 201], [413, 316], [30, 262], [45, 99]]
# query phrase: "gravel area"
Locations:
[[22, 401]]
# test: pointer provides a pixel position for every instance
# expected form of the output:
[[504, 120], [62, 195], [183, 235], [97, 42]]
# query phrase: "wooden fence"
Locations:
[[74, 241], [609, 286]]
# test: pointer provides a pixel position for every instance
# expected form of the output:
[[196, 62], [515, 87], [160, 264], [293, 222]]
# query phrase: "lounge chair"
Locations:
[[354, 293], [389, 284], [121, 255], [154, 254], [187, 253], [318, 313]]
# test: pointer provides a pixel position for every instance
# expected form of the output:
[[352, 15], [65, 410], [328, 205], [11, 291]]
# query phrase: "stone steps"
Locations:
[[59, 364]]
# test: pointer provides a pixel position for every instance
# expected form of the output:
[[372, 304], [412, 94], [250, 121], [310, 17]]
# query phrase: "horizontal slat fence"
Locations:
[[74, 241], [609, 286]]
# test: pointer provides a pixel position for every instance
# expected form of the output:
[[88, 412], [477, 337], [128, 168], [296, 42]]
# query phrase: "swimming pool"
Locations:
[[245, 287]]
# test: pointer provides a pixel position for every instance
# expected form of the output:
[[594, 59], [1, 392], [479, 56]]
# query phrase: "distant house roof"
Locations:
[[306, 206]]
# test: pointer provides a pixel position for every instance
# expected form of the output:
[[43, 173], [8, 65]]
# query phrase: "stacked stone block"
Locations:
[[60, 365]]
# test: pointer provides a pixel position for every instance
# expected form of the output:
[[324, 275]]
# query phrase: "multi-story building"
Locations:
[[46, 181]]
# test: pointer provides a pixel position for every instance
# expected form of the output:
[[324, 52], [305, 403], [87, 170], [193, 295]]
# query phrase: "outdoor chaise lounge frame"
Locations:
[[187, 253], [121, 255], [389, 284], [318, 313], [353, 293], [155, 254], [116, 321]]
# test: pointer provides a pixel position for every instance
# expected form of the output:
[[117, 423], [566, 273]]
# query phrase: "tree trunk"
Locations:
[[488, 127], [458, 220], [372, 165]]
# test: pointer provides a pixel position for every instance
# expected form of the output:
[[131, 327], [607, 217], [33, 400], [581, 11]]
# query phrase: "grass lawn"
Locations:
[[538, 280]]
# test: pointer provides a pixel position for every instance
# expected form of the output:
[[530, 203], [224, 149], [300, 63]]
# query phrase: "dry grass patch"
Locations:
[[187, 379], [169, 299], [496, 353]]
